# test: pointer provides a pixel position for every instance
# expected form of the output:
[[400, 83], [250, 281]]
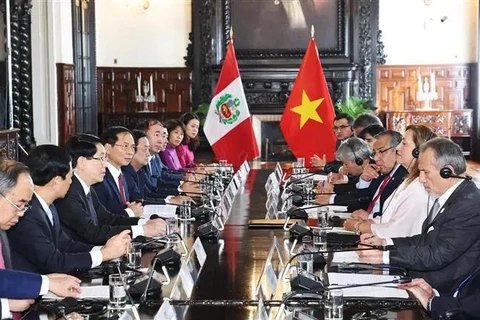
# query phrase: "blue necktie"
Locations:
[[91, 208]]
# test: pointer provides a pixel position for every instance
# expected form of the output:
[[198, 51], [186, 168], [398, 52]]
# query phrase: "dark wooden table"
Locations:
[[235, 263]]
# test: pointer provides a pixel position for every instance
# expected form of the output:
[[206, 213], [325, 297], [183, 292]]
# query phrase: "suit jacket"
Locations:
[[78, 223], [19, 285], [448, 249], [109, 194], [46, 249], [369, 192], [139, 187], [350, 186], [467, 303], [160, 175]]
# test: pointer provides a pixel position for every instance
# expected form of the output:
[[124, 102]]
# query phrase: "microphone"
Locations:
[[166, 257], [300, 179], [300, 213], [166, 239], [129, 296]]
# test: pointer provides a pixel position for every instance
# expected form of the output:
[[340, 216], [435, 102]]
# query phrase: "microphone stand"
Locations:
[[143, 297]]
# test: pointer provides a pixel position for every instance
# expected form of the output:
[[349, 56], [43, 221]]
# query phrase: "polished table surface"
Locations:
[[236, 260]]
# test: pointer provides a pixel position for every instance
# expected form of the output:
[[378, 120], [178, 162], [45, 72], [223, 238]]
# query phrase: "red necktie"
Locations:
[[15, 315], [379, 193], [121, 189]]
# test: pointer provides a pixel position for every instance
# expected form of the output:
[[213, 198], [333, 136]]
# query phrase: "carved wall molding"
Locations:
[[398, 86], [355, 56], [20, 18]]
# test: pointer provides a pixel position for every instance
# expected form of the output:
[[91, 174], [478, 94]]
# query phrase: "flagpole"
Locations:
[[231, 34], [312, 32]]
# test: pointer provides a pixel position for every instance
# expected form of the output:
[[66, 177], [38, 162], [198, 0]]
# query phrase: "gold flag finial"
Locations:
[[313, 31]]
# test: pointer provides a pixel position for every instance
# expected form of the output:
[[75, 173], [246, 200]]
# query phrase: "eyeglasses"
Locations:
[[343, 126], [126, 147], [19, 209], [101, 159], [380, 152]]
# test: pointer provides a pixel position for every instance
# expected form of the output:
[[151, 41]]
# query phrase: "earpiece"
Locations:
[[416, 150], [358, 160], [447, 173]]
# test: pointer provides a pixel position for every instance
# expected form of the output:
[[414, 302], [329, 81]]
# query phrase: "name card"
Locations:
[[166, 311], [200, 251]]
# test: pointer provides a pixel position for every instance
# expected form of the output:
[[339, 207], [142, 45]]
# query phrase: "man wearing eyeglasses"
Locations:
[[113, 190], [377, 182], [342, 126], [82, 215], [20, 288]]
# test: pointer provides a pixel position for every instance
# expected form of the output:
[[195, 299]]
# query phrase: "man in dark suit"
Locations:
[[47, 248], [162, 180], [464, 304], [16, 189], [82, 215], [113, 191], [448, 249], [377, 182]]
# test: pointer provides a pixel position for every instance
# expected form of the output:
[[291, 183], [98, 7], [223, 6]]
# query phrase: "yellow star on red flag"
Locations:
[[308, 109]]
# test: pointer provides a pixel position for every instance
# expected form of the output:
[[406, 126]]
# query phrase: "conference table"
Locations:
[[226, 285]]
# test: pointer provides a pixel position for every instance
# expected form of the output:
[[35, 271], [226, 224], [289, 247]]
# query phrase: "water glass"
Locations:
[[322, 216], [300, 162], [186, 210], [320, 238], [333, 305], [134, 256], [118, 296], [305, 262]]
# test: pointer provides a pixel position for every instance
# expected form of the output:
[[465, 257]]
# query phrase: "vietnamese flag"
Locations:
[[228, 126], [307, 121]]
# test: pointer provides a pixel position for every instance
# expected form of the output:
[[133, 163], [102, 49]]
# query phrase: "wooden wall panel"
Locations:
[[117, 88], [397, 86], [66, 102]]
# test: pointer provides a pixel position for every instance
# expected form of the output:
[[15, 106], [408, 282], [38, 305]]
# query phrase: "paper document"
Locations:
[[375, 292], [163, 211], [312, 212], [345, 257], [340, 230], [320, 177], [388, 290], [88, 292]]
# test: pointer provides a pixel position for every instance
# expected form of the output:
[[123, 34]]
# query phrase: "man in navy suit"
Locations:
[[82, 215], [372, 183], [16, 189], [47, 248], [463, 304], [113, 191]]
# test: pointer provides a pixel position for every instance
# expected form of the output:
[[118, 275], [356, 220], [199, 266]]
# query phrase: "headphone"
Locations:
[[416, 150], [358, 160], [447, 173]]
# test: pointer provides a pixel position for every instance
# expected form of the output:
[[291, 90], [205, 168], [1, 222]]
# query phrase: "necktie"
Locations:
[[91, 208], [433, 212], [121, 188], [379, 193]]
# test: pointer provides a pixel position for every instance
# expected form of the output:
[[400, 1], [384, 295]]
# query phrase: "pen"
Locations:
[[323, 185]]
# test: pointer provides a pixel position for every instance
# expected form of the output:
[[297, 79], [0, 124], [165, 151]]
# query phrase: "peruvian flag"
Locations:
[[228, 126]]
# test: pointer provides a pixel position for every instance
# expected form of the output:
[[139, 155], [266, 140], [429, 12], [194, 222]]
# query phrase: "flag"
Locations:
[[307, 120], [228, 126]]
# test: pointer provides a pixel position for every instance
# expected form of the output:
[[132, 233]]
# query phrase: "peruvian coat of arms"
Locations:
[[227, 109]]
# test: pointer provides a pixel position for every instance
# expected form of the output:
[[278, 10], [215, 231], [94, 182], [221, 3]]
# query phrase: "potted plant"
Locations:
[[354, 107]]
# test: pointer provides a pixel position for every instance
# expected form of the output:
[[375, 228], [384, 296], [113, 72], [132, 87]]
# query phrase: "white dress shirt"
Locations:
[[95, 254], [136, 230], [403, 212], [115, 174]]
